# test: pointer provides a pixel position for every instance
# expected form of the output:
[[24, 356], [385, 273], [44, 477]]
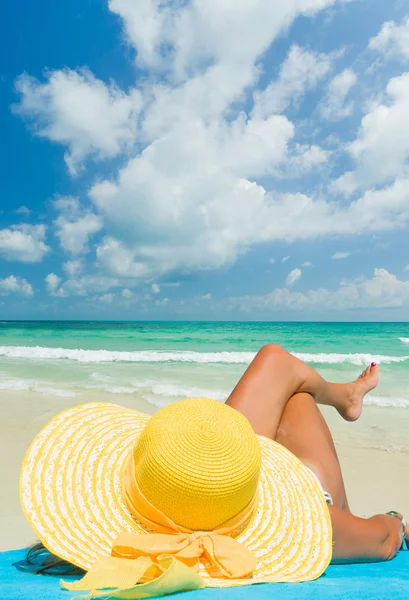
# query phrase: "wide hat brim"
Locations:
[[71, 494]]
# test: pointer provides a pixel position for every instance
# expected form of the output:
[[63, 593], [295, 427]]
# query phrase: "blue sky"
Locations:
[[206, 160]]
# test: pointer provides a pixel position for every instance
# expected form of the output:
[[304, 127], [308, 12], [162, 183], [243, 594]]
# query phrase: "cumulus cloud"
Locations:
[[120, 259], [307, 263], [180, 38], [53, 281], [82, 113], [90, 283], [73, 267], [334, 107], [293, 276], [379, 210], [392, 40], [303, 159], [75, 226], [381, 149], [301, 71], [15, 285], [383, 290], [81, 286], [188, 196], [340, 255], [23, 243], [193, 211]]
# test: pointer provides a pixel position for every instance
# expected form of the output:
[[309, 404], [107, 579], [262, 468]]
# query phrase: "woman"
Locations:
[[278, 394]]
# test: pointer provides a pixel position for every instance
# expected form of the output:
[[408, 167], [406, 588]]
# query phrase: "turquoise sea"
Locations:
[[161, 362]]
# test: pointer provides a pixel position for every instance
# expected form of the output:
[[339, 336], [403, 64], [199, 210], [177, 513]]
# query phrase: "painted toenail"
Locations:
[[373, 364]]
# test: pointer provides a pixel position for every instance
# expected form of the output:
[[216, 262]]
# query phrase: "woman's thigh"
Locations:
[[304, 432]]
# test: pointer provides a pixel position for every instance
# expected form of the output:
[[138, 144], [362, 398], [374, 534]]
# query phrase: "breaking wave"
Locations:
[[152, 356]]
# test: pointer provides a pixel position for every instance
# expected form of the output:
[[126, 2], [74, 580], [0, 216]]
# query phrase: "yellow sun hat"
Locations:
[[190, 497]]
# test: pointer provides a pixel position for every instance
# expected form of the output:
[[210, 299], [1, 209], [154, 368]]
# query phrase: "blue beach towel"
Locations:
[[378, 581]]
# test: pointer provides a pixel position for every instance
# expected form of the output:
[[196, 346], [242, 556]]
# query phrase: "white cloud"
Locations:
[[308, 263], [119, 259], [198, 33], [155, 288], [73, 267], [272, 261], [23, 243], [340, 255], [393, 40], [334, 107], [208, 50], [300, 72], [298, 217], [285, 258], [106, 298], [333, 141], [384, 290], [53, 281], [303, 159], [23, 210], [79, 111], [15, 285], [293, 276], [407, 268], [85, 285], [195, 209], [381, 149], [75, 226], [127, 293], [189, 199]]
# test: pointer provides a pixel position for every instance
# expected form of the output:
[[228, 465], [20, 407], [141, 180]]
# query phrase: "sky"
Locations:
[[204, 159]]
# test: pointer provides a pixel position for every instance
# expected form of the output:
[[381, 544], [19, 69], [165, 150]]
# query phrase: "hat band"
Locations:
[[150, 552], [154, 519]]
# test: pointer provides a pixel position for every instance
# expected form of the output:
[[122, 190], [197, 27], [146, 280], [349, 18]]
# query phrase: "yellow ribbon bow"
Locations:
[[144, 565]]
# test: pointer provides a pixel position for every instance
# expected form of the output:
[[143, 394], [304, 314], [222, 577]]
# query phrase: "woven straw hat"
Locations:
[[197, 464]]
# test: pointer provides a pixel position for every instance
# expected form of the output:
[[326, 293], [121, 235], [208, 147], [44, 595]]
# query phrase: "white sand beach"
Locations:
[[376, 479]]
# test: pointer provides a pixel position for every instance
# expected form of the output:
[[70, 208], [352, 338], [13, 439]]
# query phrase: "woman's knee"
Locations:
[[271, 351]]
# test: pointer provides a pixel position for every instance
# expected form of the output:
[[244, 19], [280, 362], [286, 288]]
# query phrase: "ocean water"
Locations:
[[161, 362]]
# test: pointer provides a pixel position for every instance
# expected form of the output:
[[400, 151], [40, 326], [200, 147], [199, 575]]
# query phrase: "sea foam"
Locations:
[[29, 385], [43, 353], [157, 393], [386, 401]]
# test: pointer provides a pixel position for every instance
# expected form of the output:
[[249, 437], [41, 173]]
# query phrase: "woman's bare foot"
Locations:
[[366, 382]]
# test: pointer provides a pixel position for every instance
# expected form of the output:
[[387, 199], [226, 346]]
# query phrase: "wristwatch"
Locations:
[[394, 513]]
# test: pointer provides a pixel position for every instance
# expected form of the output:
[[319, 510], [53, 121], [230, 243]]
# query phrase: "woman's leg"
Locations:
[[304, 432], [274, 376], [278, 395]]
